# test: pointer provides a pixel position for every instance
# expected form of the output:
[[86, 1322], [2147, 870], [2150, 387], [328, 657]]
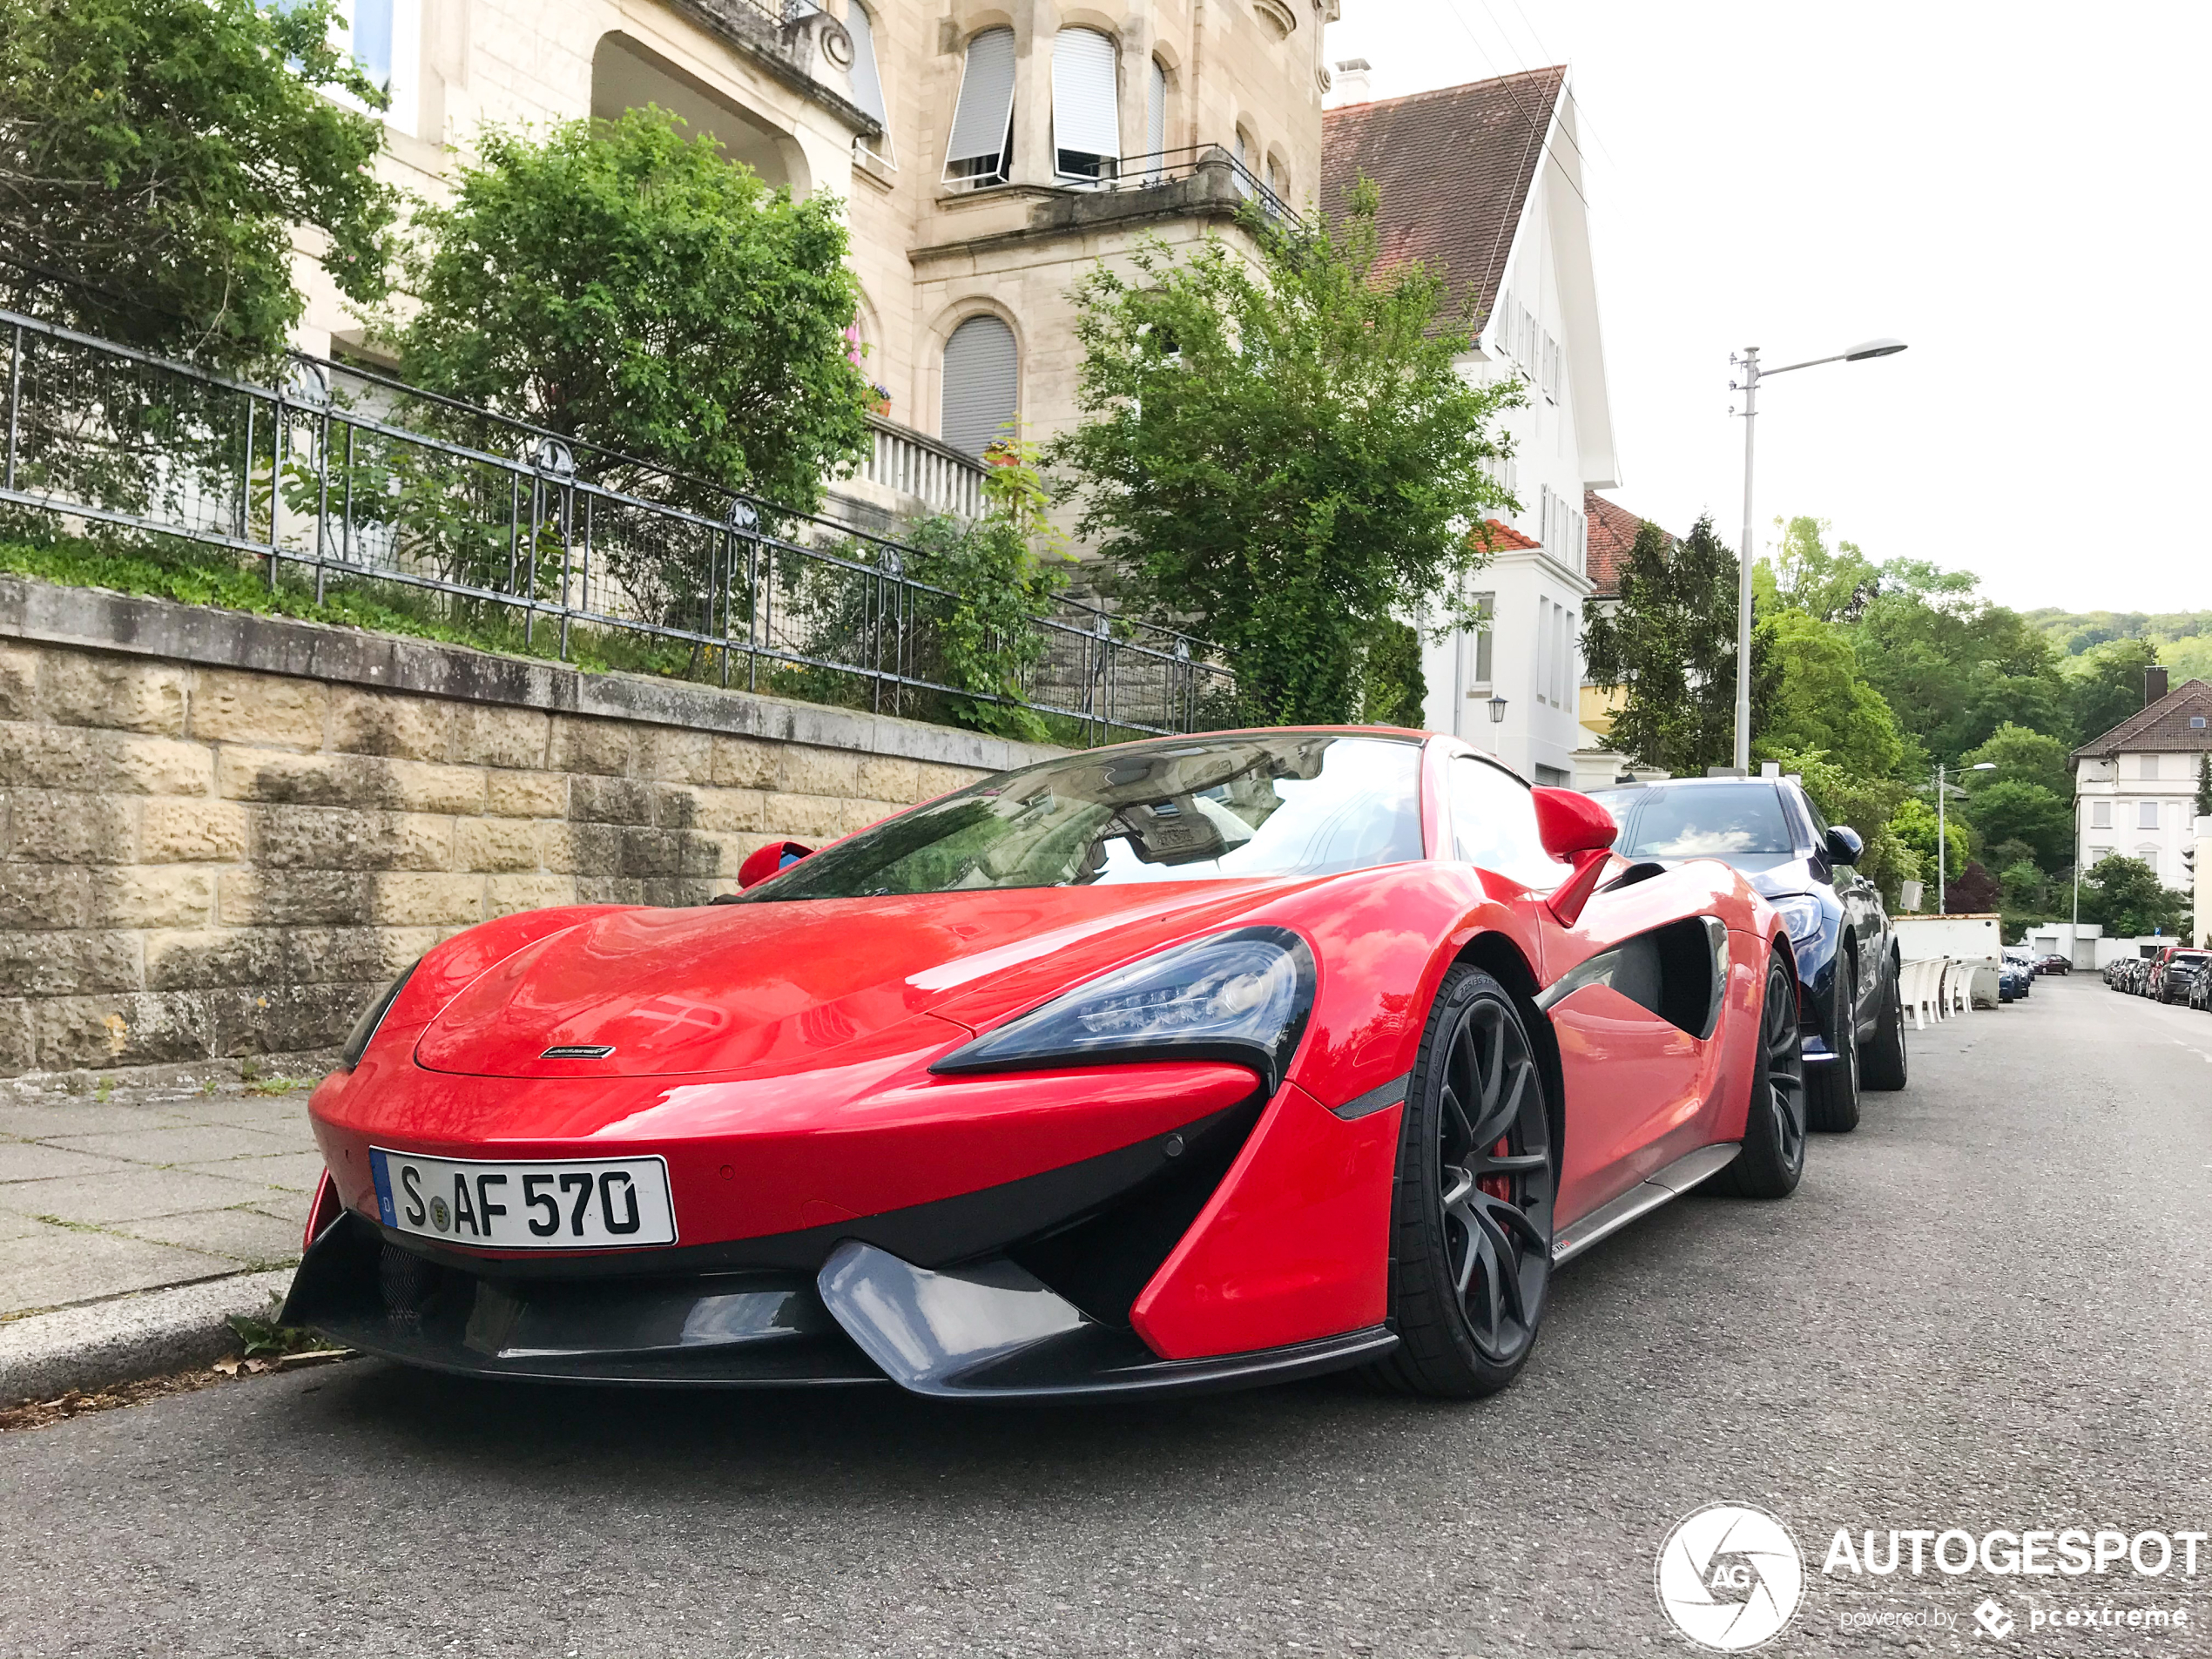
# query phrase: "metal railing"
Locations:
[[339, 476], [1164, 167]]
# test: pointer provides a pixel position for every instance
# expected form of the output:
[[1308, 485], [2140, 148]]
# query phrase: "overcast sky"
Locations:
[[2017, 191]]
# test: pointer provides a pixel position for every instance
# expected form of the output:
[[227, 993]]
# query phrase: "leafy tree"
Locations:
[[1281, 451], [2105, 685], [1808, 694], [2023, 898], [1974, 893], [2020, 755], [157, 156], [1671, 642], [1396, 689], [623, 284], [2011, 810], [1953, 667], [1806, 574], [2126, 895], [2204, 785], [1913, 823]]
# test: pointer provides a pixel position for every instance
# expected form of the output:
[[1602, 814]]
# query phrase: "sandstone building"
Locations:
[[987, 154]]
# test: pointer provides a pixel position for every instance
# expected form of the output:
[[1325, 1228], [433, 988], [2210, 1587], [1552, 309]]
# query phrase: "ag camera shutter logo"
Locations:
[[1729, 1577]]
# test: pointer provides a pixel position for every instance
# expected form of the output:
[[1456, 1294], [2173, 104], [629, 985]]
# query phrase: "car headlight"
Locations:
[[364, 1031], [1801, 914], [1243, 997]]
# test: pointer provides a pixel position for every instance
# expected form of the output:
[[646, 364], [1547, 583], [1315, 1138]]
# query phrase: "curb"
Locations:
[[129, 1336]]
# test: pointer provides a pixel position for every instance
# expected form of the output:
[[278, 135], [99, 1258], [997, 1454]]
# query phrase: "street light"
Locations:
[[1942, 789], [1748, 363]]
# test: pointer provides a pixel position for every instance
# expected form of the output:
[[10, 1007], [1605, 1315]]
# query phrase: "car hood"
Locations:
[[770, 988]]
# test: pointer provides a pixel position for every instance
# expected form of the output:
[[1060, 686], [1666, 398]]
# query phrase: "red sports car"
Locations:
[[1189, 1064]]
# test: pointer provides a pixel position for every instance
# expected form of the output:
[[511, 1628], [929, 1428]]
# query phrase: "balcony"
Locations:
[[906, 474]]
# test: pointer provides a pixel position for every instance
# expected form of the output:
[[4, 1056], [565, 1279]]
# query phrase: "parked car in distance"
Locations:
[[2174, 971], [2055, 963], [2201, 991], [1769, 829], [2013, 980]]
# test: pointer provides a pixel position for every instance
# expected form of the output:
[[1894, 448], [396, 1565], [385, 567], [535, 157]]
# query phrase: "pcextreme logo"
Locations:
[[1729, 1577]]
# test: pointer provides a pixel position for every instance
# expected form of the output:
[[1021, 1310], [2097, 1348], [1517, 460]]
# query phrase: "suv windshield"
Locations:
[[1189, 809], [1723, 820]]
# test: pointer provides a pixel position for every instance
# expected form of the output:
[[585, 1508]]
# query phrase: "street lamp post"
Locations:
[[1748, 365], [1942, 844]]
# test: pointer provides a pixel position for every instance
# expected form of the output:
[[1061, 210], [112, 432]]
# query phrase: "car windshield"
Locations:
[[1733, 822], [1193, 809]]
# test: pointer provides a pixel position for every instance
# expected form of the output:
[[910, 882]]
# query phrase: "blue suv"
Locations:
[[1850, 1008]]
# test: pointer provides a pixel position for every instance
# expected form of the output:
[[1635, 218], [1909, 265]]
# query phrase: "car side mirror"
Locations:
[[764, 861], [1578, 831], [1844, 846]]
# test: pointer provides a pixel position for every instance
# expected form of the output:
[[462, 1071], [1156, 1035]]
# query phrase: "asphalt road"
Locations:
[[1985, 1309]]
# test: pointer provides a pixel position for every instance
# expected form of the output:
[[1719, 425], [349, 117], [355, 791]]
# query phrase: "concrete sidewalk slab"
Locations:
[[123, 1182], [89, 1347]]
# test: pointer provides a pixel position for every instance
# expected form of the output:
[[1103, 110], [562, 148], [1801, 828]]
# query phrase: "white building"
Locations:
[[2135, 786], [1485, 182]]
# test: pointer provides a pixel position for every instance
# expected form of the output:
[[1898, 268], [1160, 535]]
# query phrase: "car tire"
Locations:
[[1775, 1117], [1831, 1087], [1473, 1203], [1882, 1064]]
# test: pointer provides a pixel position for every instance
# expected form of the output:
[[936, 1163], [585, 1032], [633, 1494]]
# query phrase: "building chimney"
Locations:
[[2154, 685], [1350, 84]]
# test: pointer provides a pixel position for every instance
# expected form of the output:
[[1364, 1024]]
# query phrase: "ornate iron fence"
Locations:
[[339, 476]]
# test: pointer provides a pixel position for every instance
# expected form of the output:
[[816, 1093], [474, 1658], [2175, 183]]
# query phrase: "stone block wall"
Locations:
[[219, 834]]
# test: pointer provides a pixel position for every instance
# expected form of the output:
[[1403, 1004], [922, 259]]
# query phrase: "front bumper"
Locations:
[[985, 1329]]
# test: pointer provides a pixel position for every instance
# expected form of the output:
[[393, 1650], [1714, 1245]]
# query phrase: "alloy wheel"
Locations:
[[1496, 1178], [1785, 1071]]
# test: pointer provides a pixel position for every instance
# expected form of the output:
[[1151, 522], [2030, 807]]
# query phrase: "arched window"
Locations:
[[1086, 105], [867, 82], [1243, 173], [982, 150], [982, 385]]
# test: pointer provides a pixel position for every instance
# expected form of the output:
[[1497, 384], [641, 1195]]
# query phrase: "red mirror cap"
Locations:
[[1570, 822], [764, 861]]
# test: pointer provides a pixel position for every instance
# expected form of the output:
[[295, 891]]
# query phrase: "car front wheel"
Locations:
[[1471, 1215], [1774, 1118]]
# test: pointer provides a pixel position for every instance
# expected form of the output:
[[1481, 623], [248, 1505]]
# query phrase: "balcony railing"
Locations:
[[1157, 167], [916, 466], [337, 475]]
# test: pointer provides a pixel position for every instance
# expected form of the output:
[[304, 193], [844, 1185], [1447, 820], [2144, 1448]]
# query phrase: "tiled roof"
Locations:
[[1501, 537], [1453, 167], [1612, 534], [2162, 728]]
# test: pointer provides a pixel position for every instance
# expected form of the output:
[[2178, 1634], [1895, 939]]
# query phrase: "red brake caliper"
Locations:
[[1498, 1186]]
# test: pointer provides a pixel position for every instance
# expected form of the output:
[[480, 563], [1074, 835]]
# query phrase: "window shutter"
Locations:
[[1155, 112], [1086, 115], [986, 108], [2150, 815], [983, 383], [2100, 815], [867, 78]]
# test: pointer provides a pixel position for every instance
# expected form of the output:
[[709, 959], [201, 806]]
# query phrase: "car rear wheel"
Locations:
[[1471, 1216], [1882, 1066], [1831, 1087], [1774, 1120]]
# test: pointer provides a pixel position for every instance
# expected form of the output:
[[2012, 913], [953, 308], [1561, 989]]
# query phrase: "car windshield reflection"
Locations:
[[1250, 805]]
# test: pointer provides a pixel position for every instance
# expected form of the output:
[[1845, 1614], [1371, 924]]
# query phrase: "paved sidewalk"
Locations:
[[115, 1184]]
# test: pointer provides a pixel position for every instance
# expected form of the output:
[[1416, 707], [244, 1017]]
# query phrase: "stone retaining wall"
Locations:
[[219, 833]]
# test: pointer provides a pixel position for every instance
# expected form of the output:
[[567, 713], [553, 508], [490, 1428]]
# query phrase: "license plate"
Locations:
[[576, 1203]]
